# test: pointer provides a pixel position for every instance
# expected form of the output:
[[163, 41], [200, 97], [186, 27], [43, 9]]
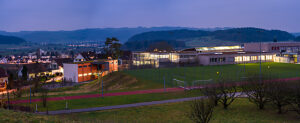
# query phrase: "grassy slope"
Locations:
[[241, 111]]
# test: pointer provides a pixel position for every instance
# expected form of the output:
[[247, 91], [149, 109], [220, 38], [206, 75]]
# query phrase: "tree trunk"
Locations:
[[261, 106]]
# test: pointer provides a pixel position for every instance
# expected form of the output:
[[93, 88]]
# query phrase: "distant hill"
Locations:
[[95, 34], [297, 38], [194, 38], [296, 34], [168, 35], [11, 40]]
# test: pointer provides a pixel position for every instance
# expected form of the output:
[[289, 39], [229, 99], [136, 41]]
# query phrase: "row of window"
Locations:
[[252, 58], [84, 66], [86, 74], [187, 56], [221, 59]]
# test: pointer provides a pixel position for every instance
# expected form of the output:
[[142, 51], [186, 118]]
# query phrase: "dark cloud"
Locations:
[[18, 15]]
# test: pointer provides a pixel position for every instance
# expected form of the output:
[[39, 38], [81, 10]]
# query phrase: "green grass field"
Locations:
[[240, 111], [234, 72], [153, 78]]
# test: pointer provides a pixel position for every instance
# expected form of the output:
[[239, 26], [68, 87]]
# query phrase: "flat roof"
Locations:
[[218, 48], [233, 53]]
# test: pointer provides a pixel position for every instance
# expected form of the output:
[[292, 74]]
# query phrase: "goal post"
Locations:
[[198, 83]]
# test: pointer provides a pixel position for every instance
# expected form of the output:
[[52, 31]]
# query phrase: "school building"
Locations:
[[88, 70]]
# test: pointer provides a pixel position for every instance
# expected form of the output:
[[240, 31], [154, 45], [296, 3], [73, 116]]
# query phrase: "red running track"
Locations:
[[124, 93], [100, 95]]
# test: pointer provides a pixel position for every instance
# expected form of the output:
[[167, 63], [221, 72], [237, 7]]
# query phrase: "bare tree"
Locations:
[[36, 82], [228, 92], [294, 100], [44, 96], [256, 91], [213, 93], [201, 110], [278, 93]]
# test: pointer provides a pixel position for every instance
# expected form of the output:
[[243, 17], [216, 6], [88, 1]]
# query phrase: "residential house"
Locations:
[[3, 79]]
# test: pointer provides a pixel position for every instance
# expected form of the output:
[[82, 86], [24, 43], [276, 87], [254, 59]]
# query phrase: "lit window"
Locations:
[[253, 58], [85, 74], [90, 73], [80, 75]]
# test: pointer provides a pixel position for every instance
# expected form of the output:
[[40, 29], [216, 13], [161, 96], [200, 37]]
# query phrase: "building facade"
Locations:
[[3, 79], [285, 52], [86, 71]]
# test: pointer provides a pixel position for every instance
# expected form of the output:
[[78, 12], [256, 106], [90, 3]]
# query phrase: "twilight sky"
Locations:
[[16, 15]]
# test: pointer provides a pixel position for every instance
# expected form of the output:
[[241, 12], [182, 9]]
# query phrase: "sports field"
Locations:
[[234, 72]]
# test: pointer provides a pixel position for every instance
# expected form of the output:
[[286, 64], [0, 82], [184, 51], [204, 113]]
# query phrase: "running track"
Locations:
[[124, 93]]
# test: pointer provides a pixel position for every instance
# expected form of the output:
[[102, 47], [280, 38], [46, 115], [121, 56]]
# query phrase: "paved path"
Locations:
[[120, 106], [239, 94], [100, 95]]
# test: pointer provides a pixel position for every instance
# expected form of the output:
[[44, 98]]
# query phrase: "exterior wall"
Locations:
[[255, 47], [205, 59], [79, 58], [71, 72], [86, 72], [113, 65], [281, 59], [221, 59], [3, 81], [81, 72], [272, 47]]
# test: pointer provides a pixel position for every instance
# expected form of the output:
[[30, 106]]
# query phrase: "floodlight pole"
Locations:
[[100, 77], [260, 73], [30, 96], [102, 85], [164, 84], [7, 94]]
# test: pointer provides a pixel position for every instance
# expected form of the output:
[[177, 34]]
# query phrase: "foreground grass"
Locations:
[[114, 100], [241, 111], [21, 117]]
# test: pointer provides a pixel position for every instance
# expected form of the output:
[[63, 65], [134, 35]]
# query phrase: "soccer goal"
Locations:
[[199, 83], [179, 83]]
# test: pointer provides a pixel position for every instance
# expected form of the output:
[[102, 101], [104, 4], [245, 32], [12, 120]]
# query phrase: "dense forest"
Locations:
[[234, 35], [297, 38], [11, 40]]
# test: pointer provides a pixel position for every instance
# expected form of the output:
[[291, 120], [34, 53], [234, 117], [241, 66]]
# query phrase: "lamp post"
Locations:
[[100, 77], [7, 94], [260, 73]]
